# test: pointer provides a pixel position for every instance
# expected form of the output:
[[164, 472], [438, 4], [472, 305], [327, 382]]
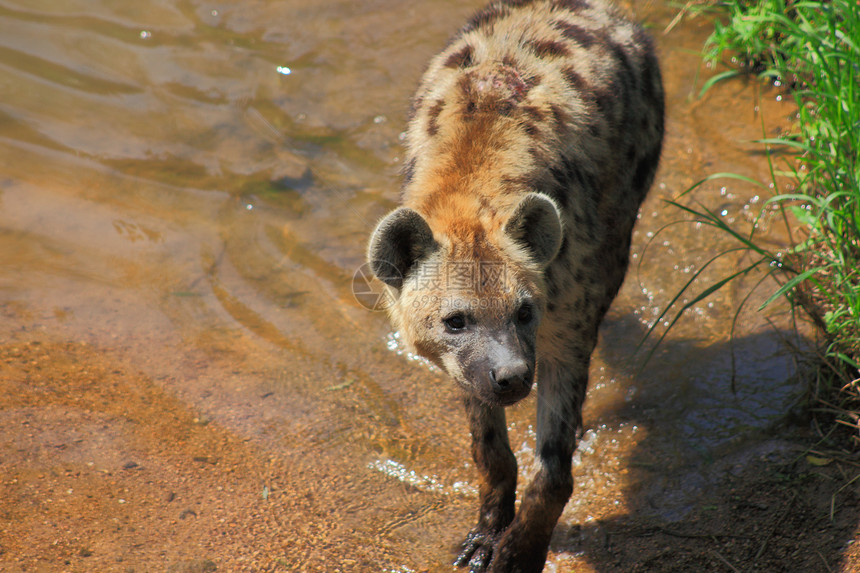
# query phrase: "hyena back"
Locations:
[[533, 139]]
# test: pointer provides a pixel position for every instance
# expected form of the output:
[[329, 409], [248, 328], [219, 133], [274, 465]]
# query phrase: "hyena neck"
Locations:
[[470, 160], [471, 189]]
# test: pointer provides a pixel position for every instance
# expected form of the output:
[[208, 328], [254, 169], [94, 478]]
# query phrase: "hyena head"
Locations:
[[468, 294]]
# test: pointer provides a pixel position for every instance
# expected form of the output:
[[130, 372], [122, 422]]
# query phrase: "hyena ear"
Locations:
[[536, 225], [399, 241]]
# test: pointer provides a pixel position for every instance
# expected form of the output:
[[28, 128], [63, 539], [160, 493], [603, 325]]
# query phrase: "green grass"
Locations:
[[811, 49]]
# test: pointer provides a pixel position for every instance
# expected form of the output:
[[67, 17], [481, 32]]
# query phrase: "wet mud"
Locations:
[[187, 382]]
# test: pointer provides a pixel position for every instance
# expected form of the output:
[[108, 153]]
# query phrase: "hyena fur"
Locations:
[[533, 139]]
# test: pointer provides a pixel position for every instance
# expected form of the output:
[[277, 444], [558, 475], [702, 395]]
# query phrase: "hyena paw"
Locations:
[[477, 550]]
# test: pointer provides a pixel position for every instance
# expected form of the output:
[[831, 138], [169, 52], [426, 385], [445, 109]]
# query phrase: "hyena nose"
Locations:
[[512, 379]]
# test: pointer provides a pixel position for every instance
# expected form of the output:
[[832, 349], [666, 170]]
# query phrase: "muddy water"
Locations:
[[186, 189]]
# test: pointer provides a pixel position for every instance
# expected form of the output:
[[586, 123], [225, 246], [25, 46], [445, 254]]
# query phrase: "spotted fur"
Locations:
[[533, 139]]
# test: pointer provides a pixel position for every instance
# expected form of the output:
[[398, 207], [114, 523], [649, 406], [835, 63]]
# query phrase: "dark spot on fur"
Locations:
[[408, 171], [572, 5], [556, 455], [561, 190], [605, 102], [532, 81], [485, 18], [548, 48], [533, 112], [462, 58], [464, 84], [559, 116], [620, 54], [503, 107], [531, 128], [416, 104], [551, 286], [625, 83], [510, 61], [536, 154], [517, 184], [576, 33], [571, 178], [468, 90], [550, 306], [579, 276], [433, 118], [590, 227], [574, 80]]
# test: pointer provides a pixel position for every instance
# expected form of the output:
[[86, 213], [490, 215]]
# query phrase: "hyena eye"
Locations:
[[525, 314], [455, 322]]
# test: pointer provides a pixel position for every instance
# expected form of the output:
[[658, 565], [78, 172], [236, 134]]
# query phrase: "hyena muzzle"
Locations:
[[533, 139]]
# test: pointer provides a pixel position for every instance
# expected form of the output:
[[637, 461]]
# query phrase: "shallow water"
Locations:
[[189, 186]]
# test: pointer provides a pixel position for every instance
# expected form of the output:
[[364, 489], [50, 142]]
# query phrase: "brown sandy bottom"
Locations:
[[104, 471]]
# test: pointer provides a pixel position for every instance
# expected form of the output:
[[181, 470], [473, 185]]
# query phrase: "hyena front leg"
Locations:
[[561, 391], [498, 468]]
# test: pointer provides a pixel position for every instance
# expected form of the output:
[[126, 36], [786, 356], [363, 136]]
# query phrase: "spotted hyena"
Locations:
[[533, 139]]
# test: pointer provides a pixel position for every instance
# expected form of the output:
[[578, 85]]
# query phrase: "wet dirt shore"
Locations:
[[187, 383]]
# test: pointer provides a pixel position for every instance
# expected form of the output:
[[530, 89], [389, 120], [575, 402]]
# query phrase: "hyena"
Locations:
[[533, 139]]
